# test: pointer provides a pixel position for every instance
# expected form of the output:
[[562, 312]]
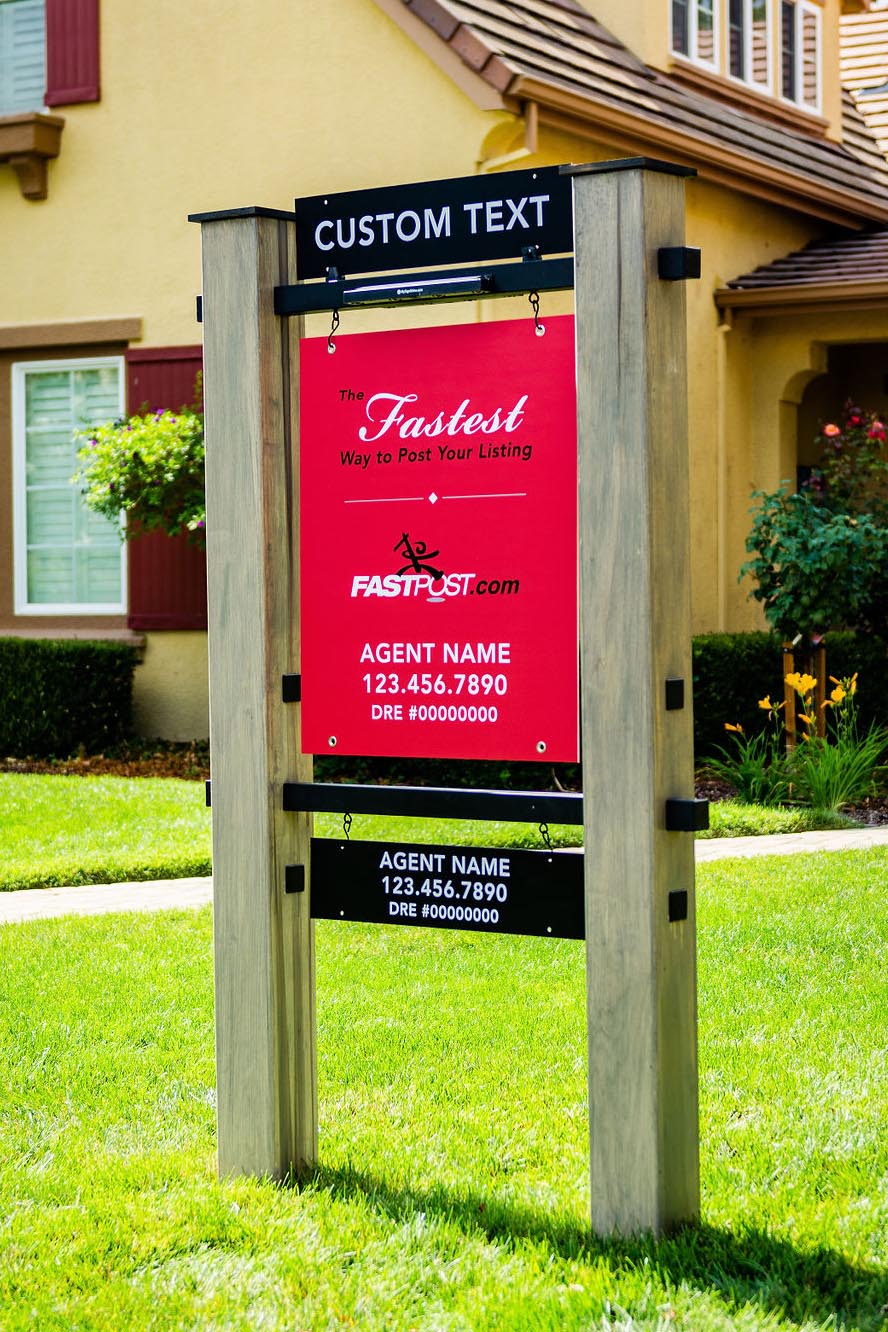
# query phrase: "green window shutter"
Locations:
[[72, 556], [22, 56]]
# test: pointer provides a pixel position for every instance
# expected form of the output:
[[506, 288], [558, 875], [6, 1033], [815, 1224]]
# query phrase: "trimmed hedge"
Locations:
[[61, 696]]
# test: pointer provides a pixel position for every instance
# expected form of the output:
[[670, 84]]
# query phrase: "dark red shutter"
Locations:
[[72, 51], [167, 575]]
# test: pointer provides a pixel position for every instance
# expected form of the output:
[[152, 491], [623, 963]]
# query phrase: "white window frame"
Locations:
[[715, 63], [747, 81], [20, 370], [801, 7]]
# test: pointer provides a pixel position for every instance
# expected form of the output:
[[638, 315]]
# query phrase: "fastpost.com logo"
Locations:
[[420, 575]]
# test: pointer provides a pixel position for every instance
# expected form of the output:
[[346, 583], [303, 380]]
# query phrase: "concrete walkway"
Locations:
[[171, 894]]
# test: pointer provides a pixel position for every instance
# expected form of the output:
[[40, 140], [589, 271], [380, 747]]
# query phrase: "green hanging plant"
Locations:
[[149, 467]]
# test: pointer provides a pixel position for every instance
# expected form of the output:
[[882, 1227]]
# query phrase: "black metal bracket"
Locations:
[[433, 802], [678, 263], [678, 905], [291, 688], [294, 878], [443, 284], [207, 786], [687, 815], [675, 694]]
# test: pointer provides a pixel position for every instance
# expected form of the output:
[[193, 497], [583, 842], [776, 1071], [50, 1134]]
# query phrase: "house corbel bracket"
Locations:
[[27, 142], [31, 172]]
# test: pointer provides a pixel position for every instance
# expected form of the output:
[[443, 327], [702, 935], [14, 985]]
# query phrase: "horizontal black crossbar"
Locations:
[[438, 802], [444, 284]]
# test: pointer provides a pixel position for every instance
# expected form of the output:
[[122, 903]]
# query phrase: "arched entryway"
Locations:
[[856, 372]]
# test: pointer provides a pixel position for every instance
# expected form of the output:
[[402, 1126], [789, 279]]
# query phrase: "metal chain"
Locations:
[[544, 833], [346, 825]]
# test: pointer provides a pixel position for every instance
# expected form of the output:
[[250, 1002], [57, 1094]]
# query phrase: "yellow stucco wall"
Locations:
[[735, 234], [215, 106], [170, 687], [210, 107]]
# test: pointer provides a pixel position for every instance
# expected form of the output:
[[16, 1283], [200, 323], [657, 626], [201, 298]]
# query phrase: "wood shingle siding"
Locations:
[[864, 67]]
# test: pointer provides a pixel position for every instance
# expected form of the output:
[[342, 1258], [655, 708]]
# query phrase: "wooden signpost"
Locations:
[[631, 893]]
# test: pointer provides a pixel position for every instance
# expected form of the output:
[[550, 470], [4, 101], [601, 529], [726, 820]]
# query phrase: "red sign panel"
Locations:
[[439, 543]]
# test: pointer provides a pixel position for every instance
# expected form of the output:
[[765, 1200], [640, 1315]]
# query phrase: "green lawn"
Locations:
[[452, 1188], [77, 830], [71, 830]]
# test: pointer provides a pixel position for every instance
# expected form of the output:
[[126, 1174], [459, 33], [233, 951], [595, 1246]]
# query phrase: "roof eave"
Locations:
[[484, 85], [563, 109], [807, 298]]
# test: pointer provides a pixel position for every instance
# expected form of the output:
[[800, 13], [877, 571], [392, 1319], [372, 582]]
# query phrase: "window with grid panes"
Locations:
[[68, 560], [694, 31], [774, 50], [800, 53], [22, 56]]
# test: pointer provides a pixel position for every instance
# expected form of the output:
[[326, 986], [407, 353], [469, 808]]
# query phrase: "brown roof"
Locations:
[[554, 53], [847, 259], [846, 271], [864, 65]]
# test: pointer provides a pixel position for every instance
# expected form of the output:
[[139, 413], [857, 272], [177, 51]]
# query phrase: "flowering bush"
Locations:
[[826, 772], [853, 468], [819, 556], [829, 772], [757, 767], [151, 467]]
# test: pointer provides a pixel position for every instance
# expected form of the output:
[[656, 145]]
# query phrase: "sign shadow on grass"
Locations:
[[746, 1267]]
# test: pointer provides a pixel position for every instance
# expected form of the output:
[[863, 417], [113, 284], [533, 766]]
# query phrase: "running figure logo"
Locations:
[[417, 556]]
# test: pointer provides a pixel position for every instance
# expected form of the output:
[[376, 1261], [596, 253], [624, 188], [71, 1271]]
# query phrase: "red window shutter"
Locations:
[[72, 51], [167, 575]]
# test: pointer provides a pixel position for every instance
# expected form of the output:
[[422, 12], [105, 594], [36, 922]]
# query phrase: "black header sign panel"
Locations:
[[434, 222], [495, 889]]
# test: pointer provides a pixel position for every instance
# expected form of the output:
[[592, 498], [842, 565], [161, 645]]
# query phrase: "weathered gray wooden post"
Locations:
[[264, 938], [637, 744]]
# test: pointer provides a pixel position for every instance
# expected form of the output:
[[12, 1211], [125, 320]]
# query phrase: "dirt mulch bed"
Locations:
[[872, 813], [155, 759]]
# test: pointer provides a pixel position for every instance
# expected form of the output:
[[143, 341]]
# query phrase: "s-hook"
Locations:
[[331, 345], [538, 328]]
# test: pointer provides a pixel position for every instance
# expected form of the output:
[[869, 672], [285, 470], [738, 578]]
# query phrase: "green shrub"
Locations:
[[60, 696], [815, 568], [756, 767]]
